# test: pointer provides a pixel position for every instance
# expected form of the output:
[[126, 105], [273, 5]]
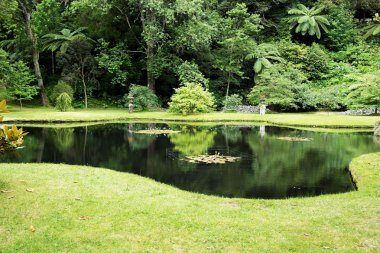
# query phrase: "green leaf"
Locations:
[[305, 27], [266, 62], [312, 21], [303, 19], [322, 19], [377, 30], [318, 31], [258, 66], [298, 29], [324, 28], [302, 8]]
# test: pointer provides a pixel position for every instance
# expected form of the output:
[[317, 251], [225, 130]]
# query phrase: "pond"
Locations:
[[245, 161]]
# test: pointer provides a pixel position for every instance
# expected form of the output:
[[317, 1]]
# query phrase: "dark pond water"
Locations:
[[268, 166]]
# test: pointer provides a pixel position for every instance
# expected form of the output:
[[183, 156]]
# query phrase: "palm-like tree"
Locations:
[[62, 40], [375, 29], [308, 21]]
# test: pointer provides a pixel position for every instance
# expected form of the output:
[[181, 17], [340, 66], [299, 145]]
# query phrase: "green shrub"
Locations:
[[191, 98], [58, 89], [63, 102], [189, 72], [329, 99], [232, 102], [316, 62], [144, 98], [365, 92]]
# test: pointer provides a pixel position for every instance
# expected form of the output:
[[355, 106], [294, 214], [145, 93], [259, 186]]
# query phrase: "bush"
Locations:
[[189, 72], [329, 98], [316, 62], [365, 93], [232, 102], [63, 102], [313, 60], [58, 89], [191, 98], [144, 98]]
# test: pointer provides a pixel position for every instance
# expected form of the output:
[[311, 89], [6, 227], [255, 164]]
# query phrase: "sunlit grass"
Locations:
[[83, 209], [50, 115]]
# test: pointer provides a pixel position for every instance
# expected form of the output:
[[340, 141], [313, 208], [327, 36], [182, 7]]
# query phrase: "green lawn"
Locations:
[[83, 209], [289, 119]]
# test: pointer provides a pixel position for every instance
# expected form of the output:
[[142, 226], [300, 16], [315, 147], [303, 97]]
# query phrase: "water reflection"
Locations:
[[268, 168], [193, 141]]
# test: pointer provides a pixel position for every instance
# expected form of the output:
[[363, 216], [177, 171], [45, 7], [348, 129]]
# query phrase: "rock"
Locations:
[[377, 129]]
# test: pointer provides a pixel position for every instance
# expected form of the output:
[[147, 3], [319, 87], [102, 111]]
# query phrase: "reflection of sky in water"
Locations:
[[268, 168]]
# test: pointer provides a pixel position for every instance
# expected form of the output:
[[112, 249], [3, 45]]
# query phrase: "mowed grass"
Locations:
[[331, 120], [61, 208]]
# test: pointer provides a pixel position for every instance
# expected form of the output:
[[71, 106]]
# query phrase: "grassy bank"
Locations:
[[61, 208], [48, 115]]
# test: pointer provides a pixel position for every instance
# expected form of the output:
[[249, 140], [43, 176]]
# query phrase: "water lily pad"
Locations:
[[156, 131], [211, 159], [294, 138]]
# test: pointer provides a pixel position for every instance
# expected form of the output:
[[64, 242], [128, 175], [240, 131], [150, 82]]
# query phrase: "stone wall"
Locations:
[[364, 111], [249, 109]]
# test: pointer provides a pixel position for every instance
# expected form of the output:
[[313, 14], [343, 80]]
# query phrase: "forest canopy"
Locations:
[[299, 55]]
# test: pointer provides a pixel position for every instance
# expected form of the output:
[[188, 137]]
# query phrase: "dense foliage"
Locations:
[[63, 102], [143, 98], [191, 98], [232, 102], [58, 89], [15, 80], [301, 55]]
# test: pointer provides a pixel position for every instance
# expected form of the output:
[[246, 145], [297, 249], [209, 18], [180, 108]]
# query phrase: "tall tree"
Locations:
[[154, 16], [78, 65], [155, 24], [236, 43], [27, 7]]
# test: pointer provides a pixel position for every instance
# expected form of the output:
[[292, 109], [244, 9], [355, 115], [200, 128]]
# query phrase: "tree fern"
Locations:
[[308, 21], [62, 40]]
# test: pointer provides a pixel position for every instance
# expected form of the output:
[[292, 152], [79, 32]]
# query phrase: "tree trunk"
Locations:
[[149, 49], [151, 81], [52, 63], [20, 104], [35, 54], [228, 84], [84, 86], [228, 90]]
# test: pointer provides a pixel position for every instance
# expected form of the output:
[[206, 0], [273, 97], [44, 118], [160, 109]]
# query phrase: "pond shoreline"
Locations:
[[308, 120]]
